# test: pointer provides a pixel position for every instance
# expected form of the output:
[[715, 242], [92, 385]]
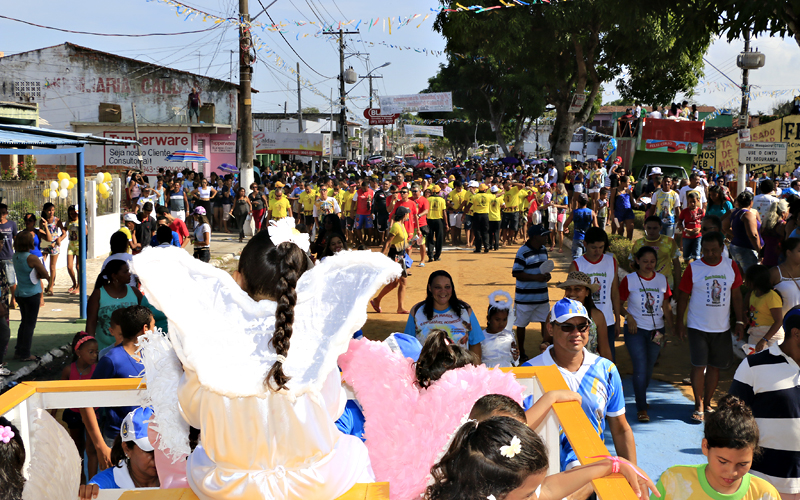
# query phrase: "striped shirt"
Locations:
[[768, 382], [528, 261]]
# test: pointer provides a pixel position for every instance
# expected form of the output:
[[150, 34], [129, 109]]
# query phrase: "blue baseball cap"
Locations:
[[134, 428], [565, 309]]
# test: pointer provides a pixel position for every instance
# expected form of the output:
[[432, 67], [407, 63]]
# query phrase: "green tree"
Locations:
[[572, 48], [772, 17], [310, 110]]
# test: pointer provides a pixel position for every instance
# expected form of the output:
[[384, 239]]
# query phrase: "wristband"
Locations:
[[615, 465], [740, 322]]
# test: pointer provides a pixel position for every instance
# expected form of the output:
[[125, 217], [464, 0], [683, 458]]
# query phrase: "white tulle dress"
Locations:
[[257, 443]]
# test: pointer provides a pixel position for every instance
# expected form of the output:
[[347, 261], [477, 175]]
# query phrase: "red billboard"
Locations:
[[376, 118]]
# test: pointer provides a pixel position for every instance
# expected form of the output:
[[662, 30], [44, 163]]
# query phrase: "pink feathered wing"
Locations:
[[407, 427]]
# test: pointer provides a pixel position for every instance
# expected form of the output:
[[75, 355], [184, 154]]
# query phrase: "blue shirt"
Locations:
[[176, 240], [117, 363], [582, 217], [600, 386], [113, 478], [352, 420], [528, 260]]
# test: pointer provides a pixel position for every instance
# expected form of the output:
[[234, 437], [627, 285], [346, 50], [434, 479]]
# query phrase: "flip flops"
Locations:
[[697, 416]]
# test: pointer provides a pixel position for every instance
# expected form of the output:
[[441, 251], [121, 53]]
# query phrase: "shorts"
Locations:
[[72, 419], [455, 220], [530, 313], [382, 222], [226, 212], [560, 224], [467, 222], [509, 220], [181, 214], [363, 222], [51, 250], [625, 214], [578, 188], [713, 349], [73, 248], [11, 275], [399, 257], [594, 190], [350, 223]]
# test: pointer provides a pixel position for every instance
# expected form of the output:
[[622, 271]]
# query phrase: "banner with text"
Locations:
[[424, 130], [437, 101], [707, 158], [287, 143], [156, 146], [786, 129]]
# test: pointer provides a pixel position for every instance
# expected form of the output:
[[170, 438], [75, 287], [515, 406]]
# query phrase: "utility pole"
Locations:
[[744, 119], [343, 111], [370, 105], [246, 115], [299, 103], [230, 77], [330, 133], [136, 134]]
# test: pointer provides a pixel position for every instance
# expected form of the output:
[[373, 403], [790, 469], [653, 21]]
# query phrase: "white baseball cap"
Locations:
[[655, 171], [494, 189], [131, 218], [474, 184], [565, 309]]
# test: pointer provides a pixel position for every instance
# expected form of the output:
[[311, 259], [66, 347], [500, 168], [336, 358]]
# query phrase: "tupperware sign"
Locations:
[[156, 146]]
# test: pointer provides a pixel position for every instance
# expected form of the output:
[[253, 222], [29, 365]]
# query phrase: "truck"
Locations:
[[670, 145]]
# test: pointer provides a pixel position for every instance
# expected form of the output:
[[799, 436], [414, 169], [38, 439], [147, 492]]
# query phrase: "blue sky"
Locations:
[[210, 53]]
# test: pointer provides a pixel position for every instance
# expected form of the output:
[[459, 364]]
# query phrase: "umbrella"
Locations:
[[375, 160], [413, 162], [425, 164], [187, 156], [510, 159], [227, 167], [352, 163]]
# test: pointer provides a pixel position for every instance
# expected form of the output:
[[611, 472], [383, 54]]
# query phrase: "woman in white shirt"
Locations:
[[647, 294], [201, 238]]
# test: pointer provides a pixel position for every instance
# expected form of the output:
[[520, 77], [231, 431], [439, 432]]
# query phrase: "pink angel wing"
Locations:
[[407, 428]]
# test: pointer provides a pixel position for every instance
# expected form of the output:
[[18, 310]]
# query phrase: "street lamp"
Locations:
[[370, 93]]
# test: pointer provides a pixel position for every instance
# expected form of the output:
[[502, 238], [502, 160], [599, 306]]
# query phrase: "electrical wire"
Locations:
[[289, 44], [723, 74], [107, 34]]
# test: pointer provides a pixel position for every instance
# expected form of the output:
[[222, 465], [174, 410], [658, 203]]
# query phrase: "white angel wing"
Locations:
[[54, 472], [162, 374], [218, 331]]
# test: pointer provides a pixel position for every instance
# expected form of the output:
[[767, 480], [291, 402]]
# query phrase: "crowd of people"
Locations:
[[729, 265]]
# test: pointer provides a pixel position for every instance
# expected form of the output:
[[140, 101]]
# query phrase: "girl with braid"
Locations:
[[253, 358]]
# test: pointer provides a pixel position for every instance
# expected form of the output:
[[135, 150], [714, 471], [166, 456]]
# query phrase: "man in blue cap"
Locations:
[[768, 382], [595, 378]]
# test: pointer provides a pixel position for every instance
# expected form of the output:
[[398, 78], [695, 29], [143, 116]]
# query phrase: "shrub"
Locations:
[[620, 247], [27, 169], [638, 220]]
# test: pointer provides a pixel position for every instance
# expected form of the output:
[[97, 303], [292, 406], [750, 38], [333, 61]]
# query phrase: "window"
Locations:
[[27, 90]]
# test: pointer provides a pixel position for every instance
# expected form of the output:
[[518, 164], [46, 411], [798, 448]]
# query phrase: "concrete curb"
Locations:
[[49, 360]]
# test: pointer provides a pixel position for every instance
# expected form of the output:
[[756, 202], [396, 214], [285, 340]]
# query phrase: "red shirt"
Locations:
[[179, 227], [422, 205], [412, 219], [691, 220], [364, 202]]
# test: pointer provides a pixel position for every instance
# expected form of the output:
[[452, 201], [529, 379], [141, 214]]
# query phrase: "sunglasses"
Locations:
[[569, 327], [404, 192]]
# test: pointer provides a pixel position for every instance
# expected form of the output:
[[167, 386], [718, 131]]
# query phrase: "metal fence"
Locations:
[[24, 197]]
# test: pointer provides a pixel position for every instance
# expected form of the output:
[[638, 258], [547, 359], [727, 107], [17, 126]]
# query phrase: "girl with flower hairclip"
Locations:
[[499, 344], [12, 460], [501, 458]]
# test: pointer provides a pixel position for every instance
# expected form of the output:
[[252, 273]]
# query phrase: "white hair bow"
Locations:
[[283, 230]]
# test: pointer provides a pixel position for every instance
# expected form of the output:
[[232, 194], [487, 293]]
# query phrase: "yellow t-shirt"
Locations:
[[307, 200], [759, 312], [437, 206], [494, 208], [666, 250], [279, 208], [689, 482], [127, 233], [456, 199], [481, 202], [349, 204], [511, 199], [399, 236]]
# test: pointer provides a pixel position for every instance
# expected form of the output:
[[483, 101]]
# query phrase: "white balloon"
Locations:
[[53, 184], [64, 183], [101, 177], [53, 194], [63, 193]]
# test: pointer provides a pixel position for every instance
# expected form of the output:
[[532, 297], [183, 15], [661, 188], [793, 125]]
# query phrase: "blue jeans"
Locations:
[[691, 248], [577, 248], [744, 257], [643, 353], [668, 230], [611, 333]]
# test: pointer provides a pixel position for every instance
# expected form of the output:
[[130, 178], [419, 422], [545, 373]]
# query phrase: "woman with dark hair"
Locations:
[[276, 315], [12, 461], [112, 291], [30, 271], [718, 205], [785, 277], [201, 238], [773, 231], [203, 195], [395, 248], [744, 228], [241, 207], [330, 226], [442, 310], [51, 245]]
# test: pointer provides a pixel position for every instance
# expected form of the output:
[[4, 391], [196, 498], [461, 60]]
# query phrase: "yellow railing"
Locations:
[[20, 400]]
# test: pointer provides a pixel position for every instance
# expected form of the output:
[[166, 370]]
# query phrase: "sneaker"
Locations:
[[421, 264], [5, 372]]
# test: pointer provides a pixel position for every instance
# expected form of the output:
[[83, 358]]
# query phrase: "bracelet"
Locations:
[[740, 322], [615, 465]]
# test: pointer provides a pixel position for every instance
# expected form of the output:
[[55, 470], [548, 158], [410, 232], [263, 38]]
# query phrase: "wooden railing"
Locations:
[[20, 401]]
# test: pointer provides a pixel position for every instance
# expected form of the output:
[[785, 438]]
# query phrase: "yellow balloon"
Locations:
[[63, 175], [106, 177], [46, 193], [74, 181], [71, 185], [104, 194], [102, 188]]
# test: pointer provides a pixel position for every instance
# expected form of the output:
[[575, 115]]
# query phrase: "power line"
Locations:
[[723, 74], [106, 34]]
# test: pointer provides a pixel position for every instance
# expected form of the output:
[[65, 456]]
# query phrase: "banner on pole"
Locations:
[[287, 143], [426, 103], [376, 118], [424, 130]]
